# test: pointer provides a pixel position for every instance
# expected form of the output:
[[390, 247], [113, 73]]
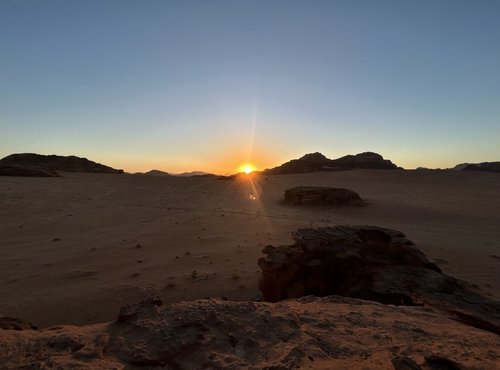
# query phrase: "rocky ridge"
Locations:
[[29, 161], [315, 162], [484, 166]]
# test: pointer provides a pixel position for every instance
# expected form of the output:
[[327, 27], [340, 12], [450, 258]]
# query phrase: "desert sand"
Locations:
[[76, 248]]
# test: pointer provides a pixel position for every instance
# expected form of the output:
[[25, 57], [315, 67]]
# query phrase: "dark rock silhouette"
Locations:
[[195, 174], [322, 195], [485, 166], [27, 171], [56, 162], [314, 162], [156, 173], [369, 263]]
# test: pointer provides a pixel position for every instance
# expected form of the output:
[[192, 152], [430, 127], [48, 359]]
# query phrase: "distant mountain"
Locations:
[[314, 162], [156, 173], [194, 173], [484, 166], [56, 162], [461, 166], [427, 169]]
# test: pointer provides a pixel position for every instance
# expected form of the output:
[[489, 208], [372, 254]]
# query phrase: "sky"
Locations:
[[208, 85]]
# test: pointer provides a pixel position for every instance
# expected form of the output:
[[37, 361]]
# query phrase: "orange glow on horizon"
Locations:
[[247, 168]]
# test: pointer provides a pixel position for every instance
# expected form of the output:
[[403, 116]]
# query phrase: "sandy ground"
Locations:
[[75, 249]]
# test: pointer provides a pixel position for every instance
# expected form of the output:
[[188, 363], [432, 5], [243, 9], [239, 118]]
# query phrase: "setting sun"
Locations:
[[247, 168]]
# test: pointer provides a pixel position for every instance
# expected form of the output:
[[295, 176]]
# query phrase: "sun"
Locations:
[[247, 168]]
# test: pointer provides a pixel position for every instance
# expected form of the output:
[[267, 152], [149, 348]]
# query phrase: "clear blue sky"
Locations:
[[208, 85]]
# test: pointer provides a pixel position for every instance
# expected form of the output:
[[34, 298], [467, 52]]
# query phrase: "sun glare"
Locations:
[[247, 168]]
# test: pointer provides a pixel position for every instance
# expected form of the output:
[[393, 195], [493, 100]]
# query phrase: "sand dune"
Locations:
[[74, 249]]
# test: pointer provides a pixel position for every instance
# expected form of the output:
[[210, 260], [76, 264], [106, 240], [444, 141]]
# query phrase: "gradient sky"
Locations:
[[208, 85]]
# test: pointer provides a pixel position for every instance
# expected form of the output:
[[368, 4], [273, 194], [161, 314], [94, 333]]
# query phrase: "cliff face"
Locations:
[[314, 162], [56, 162]]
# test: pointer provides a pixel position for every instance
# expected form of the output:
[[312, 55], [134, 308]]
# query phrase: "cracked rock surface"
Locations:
[[322, 333]]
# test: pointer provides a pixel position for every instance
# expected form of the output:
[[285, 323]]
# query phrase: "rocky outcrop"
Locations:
[[315, 162], [485, 166], [27, 171], [363, 160], [322, 195], [56, 162], [370, 263], [325, 333]]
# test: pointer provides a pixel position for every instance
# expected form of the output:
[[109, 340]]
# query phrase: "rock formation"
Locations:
[[324, 333], [485, 166], [56, 162], [322, 195], [318, 162], [370, 263]]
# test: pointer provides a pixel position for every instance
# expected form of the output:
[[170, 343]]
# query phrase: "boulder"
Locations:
[[322, 195], [370, 263]]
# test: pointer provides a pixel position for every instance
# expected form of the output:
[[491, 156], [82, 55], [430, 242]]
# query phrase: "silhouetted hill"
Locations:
[[56, 162], [314, 162], [484, 166], [156, 173], [194, 173]]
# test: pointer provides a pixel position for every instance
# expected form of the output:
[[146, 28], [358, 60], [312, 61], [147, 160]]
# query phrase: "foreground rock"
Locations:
[[322, 333], [56, 162], [370, 263], [315, 162], [322, 195], [27, 171]]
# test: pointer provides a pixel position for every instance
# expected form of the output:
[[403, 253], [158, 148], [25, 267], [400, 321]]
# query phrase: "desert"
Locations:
[[77, 248], [262, 185]]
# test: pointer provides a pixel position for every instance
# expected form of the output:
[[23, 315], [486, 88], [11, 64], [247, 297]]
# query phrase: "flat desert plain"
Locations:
[[75, 249]]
